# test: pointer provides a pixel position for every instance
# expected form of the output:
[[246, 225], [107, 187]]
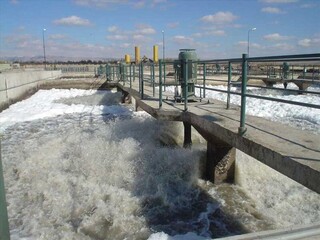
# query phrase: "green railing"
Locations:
[[160, 75]]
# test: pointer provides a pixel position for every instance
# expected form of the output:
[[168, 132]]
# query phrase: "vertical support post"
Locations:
[[142, 83], [242, 129], [204, 79], [4, 225], [134, 72], [130, 72], [229, 83], [160, 83], [139, 76], [304, 72], [185, 80], [313, 73], [153, 82], [187, 143], [164, 75]]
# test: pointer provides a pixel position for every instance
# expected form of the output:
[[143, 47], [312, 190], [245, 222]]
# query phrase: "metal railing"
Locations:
[[238, 71]]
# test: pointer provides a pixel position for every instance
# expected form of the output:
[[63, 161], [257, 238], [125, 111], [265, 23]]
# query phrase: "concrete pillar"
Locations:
[[187, 135], [220, 162]]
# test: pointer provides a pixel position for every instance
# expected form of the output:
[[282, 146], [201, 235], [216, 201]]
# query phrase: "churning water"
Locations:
[[104, 174]]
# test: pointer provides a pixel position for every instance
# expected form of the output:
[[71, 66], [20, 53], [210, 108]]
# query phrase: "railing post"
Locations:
[[134, 72], [139, 77], [4, 225], [153, 81], [164, 74], [185, 75], [229, 83], [160, 83], [130, 68], [242, 129], [204, 79], [142, 83]]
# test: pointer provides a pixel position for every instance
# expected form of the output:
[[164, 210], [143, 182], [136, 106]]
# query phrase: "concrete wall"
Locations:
[[14, 86]]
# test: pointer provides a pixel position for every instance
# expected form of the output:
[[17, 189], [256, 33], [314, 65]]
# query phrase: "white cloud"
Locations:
[[218, 33], [99, 3], [146, 31], [72, 21], [219, 18], [182, 39], [272, 10], [276, 37], [117, 37], [113, 29], [139, 4], [307, 42], [57, 36], [279, 1], [173, 25], [308, 5]]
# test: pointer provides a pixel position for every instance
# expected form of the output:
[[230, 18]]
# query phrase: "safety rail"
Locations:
[[237, 72]]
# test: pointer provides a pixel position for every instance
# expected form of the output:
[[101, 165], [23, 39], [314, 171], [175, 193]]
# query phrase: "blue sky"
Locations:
[[111, 28]]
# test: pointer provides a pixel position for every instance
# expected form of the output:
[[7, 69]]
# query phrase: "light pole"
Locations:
[[252, 29], [44, 48], [163, 46]]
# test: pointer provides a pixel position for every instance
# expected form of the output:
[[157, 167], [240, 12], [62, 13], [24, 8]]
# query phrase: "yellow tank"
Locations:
[[155, 54], [137, 54], [127, 58]]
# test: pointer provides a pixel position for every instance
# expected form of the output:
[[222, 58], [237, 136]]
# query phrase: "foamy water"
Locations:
[[77, 165]]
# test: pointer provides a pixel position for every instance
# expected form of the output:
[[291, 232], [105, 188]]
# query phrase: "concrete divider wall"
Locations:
[[14, 86]]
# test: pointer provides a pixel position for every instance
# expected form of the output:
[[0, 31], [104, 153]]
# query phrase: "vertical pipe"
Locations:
[[229, 84], [160, 83], [4, 225], [137, 54], [185, 75], [155, 54], [204, 79], [242, 129]]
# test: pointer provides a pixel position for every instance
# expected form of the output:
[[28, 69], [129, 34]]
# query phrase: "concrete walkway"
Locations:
[[290, 151]]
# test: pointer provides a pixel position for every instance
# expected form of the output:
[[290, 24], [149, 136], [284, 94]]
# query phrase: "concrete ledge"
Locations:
[[15, 86], [308, 232]]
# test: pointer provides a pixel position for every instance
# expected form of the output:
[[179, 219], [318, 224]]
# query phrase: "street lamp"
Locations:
[[44, 48], [163, 47], [252, 29]]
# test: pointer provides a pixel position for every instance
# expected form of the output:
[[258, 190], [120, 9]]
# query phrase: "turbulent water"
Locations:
[[106, 175]]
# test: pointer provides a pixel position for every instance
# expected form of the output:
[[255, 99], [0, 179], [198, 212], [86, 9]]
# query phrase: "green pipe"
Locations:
[[160, 83], [242, 129], [229, 84], [4, 225]]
